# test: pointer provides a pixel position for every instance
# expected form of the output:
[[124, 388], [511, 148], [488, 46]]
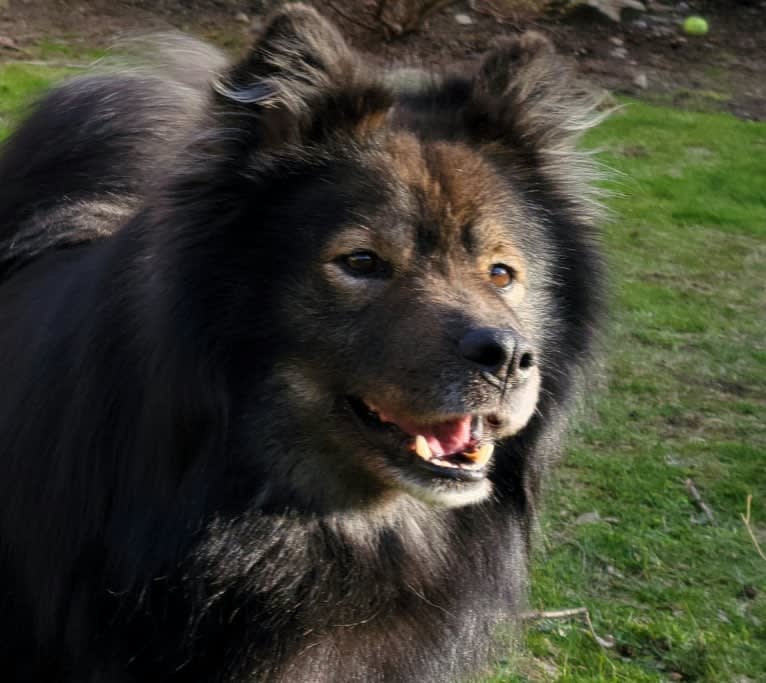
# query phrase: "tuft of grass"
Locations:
[[686, 398], [683, 600]]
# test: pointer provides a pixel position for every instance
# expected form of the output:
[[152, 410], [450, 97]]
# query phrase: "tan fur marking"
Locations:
[[460, 188], [371, 123]]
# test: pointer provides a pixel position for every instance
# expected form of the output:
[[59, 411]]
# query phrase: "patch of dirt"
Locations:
[[647, 55]]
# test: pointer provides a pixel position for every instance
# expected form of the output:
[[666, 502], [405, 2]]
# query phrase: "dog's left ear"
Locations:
[[301, 80], [525, 96]]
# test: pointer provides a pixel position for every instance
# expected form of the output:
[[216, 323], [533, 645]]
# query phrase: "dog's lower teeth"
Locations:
[[469, 460], [481, 456]]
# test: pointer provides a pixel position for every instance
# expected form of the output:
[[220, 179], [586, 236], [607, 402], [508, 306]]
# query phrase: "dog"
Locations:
[[286, 349]]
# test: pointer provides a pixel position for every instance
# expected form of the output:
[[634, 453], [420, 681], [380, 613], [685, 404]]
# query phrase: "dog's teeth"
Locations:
[[421, 447], [485, 453], [481, 456]]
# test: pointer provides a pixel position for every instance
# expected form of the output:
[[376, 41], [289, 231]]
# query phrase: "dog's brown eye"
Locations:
[[501, 276], [364, 263]]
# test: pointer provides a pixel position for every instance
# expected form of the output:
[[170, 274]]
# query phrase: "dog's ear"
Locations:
[[526, 96], [301, 80]]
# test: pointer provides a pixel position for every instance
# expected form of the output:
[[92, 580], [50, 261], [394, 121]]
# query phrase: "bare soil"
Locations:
[[646, 55]]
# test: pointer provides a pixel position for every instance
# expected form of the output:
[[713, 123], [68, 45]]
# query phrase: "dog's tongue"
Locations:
[[443, 438]]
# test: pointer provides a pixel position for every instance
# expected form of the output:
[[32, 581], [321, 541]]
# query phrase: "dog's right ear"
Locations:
[[301, 80]]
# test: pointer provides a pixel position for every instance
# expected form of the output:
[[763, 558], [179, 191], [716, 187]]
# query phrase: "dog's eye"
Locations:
[[501, 276], [364, 264]]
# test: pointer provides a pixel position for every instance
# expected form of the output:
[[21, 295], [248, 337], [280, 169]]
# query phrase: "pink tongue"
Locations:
[[444, 438], [449, 437]]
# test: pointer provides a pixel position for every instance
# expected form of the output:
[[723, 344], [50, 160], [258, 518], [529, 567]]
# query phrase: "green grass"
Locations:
[[19, 84], [685, 397], [71, 50]]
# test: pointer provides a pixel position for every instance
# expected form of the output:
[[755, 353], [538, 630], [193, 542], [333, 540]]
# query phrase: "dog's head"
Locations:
[[390, 257]]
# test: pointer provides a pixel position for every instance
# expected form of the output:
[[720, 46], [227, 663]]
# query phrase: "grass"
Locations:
[[70, 50], [682, 599], [685, 397], [19, 84]]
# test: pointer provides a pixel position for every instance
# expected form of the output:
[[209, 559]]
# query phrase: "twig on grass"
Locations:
[[537, 615], [748, 526], [697, 498]]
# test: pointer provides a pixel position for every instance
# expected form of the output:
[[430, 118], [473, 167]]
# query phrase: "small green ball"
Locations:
[[695, 26]]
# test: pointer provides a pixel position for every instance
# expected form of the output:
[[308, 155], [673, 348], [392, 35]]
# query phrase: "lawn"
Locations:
[[19, 84], [678, 598], [671, 596]]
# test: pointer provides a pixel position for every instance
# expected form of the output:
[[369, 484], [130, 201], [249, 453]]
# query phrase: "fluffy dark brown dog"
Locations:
[[285, 348]]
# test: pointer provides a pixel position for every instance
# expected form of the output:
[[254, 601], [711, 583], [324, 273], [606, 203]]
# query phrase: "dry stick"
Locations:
[[390, 28], [350, 18], [746, 520], [536, 615], [423, 11], [380, 7], [697, 498], [411, 16]]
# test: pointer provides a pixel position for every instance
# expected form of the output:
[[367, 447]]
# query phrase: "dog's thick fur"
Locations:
[[184, 494]]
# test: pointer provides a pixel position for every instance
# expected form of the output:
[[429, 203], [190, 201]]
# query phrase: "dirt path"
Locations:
[[647, 55]]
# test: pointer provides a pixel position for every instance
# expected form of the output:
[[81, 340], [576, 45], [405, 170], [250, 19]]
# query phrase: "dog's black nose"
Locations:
[[498, 351]]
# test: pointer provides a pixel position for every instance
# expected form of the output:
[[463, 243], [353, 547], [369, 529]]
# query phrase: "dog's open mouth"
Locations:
[[455, 448]]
